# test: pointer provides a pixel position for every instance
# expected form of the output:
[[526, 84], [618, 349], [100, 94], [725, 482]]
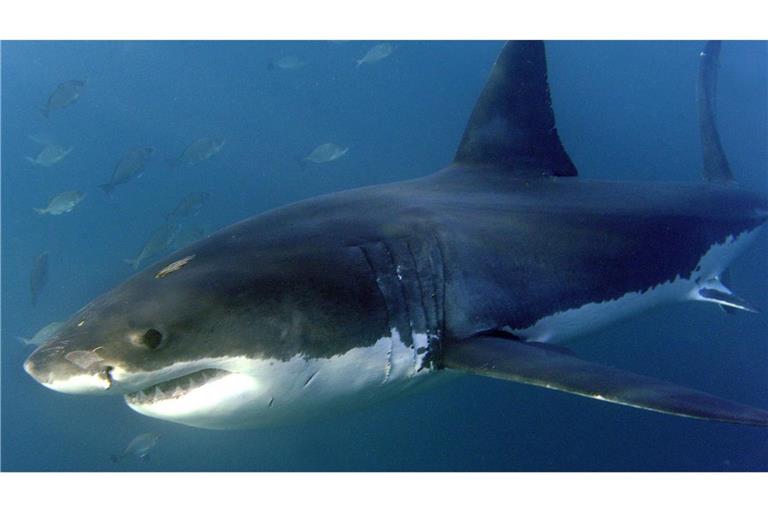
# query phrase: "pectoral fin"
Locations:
[[715, 290], [727, 301], [555, 369]]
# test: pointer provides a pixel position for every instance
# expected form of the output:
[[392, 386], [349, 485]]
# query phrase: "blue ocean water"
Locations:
[[625, 111]]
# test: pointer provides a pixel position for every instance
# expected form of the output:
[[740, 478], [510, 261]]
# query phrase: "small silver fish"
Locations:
[[64, 95], [377, 53], [62, 203], [287, 63], [50, 155], [44, 139], [160, 241], [189, 234], [130, 166], [201, 149], [327, 152], [42, 335], [189, 205], [39, 276], [139, 447]]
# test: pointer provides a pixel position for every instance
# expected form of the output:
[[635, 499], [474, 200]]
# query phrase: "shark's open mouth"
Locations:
[[174, 388]]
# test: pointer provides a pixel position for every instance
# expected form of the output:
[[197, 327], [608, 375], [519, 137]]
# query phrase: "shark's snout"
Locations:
[[29, 367], [69, 372]]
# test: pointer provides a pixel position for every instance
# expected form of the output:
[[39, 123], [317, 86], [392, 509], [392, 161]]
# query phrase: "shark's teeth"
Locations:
[[175, 388]]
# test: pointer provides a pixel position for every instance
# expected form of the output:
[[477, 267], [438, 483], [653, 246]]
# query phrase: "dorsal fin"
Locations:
[[512, 125], [716, 166]]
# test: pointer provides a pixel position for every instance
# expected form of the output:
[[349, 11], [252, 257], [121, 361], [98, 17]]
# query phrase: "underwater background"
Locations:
[[625, 111]]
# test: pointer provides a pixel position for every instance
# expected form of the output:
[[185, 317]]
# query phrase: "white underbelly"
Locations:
[[564, 325], [261, 392]]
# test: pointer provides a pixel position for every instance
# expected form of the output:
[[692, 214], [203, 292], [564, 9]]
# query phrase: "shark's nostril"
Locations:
[[106, 374]]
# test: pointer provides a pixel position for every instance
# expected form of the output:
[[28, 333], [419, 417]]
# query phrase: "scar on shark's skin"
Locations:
[[173, 267], [309, 379]]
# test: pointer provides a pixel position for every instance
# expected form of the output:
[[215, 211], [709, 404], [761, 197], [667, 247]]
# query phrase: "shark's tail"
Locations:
[[716, 166], [40, 211]]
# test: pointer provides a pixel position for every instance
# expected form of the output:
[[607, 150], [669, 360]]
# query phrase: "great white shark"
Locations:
[[484, 267]]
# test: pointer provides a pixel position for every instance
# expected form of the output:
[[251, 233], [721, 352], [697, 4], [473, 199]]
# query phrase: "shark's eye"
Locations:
[[152, 338]]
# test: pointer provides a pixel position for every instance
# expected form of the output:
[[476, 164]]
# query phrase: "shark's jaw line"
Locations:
[[243, 392], [175, 388]]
